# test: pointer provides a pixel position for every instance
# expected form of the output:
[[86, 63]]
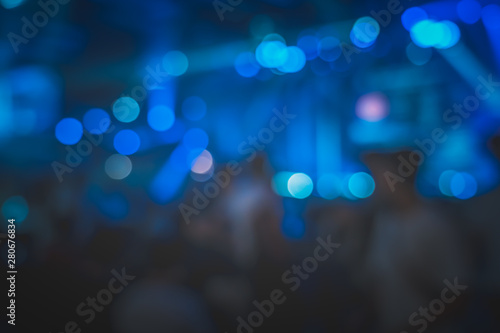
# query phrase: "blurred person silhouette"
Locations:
[[482, 214], [160, 300], [411, 251]]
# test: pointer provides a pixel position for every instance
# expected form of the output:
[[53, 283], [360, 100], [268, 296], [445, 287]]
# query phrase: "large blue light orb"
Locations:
[[361, 185], [469, 11], [300, 185], [365, 32], [271, 54], [246, 65], [412, 16], [175, 63], [126, 109], [127, 142], [96, 121], [161, 118], [69, 131]]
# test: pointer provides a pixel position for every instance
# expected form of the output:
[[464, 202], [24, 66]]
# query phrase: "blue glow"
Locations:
[[429, 33], [127, 142], [246, 65], [174, 133], [194, 108], [296, 60], [9, 4], [309, 44], [161, 118], [412, 16], [293, 227], [126, 109], [169, 179], [279, 183], [365, 31], [118, 166], [271, 54], [261, 25], [329, 186], [359, 43], [445, 182], [361, 185], [345, 191], [463, 185], [69, 131], [450, 35], [300, 185], [195, 138], [96, 121], [417, 55], [469, 11], [329, 49], [175, 63], [114, 206], [491, 16], [15, 208]]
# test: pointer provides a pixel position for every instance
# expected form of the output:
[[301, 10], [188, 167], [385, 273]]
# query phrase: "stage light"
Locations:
[[372, 107], [463, 185], [246, 65], [203, 163], [118, 166], [469, 11], [96, 121], [361, 185], [328, 186], [365, 32], [310, 45], [195, 138], [412, 16], [126, 109], [161, 118], [271, 54], [417, 55], [69, 131], [16, 208], [300, 185], [127, 142], [296, 60], [491, 16], [175, 63], [329, 49]]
